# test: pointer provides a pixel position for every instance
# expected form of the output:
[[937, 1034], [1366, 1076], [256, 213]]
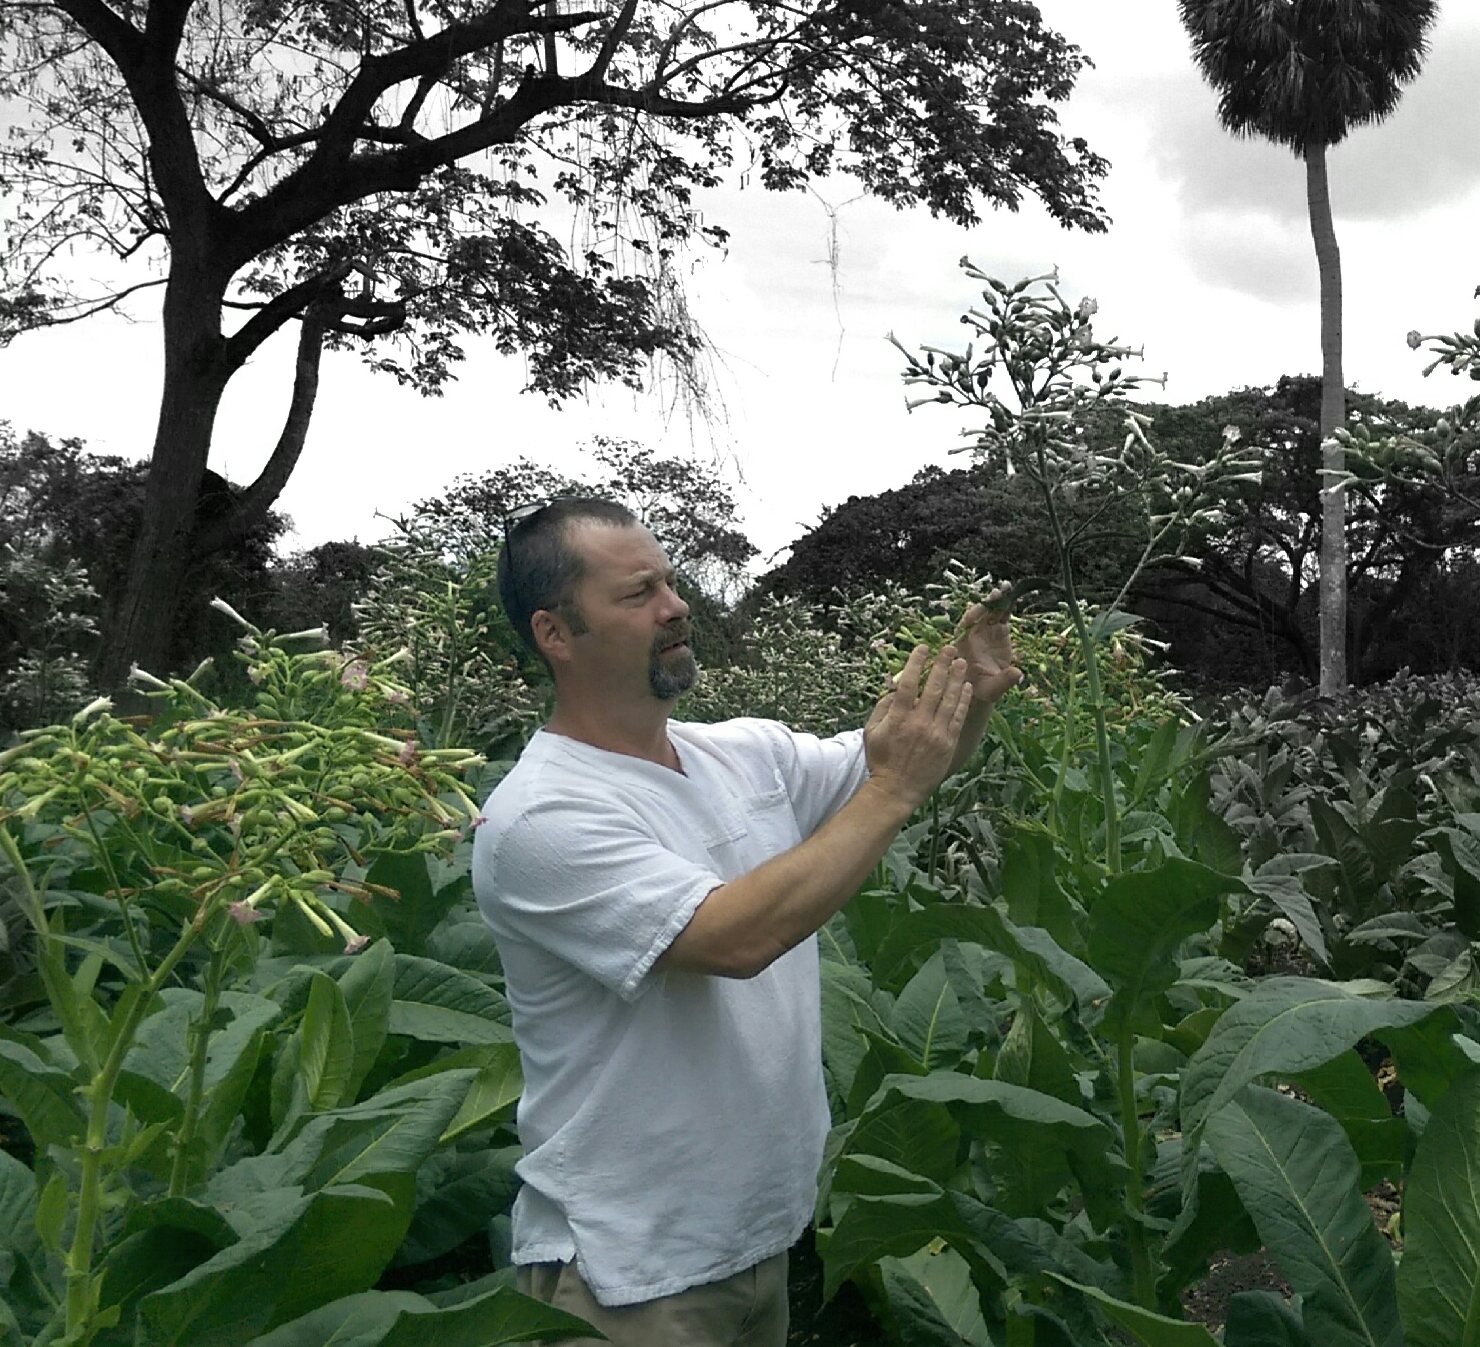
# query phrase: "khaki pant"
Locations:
[[746, 1310]]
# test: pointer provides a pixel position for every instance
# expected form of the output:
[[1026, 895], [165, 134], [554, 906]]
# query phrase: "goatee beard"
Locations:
[[669, 679]]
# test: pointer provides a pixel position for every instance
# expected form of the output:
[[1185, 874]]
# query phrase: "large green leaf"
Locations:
[[1032, 950], [154, 1255], [1044, 1142], [933, 1301], [917, 1135], [928, 1019], [161, 1052], [896, 1226], [1428, 1055], [1031, 888], [439, 1004], [225, 1098], [1439, 1277], [883, 1057], [1262, 1319], [1031, 1056], [1460, 848], [456, 1196], [368, 985], [326, 1045], [1207, 1218], [384, 1137], [465, 942], [858, 1172], [18, 1196], [1346, 1089], [409, 920], [1139, 921], [1155, 1330], [492, 1095], [1288, 894], [845, 1006], [403, 1319], [1297, 1176], [1284, 1026], [296, 1252], [43, 1095]]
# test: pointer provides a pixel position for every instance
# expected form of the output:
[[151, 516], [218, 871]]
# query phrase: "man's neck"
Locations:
[[639, 732]]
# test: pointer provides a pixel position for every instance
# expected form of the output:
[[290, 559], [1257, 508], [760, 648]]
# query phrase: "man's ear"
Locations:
[[551, 634]]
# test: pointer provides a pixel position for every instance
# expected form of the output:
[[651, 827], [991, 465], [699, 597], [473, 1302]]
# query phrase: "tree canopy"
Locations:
[[391, 176]]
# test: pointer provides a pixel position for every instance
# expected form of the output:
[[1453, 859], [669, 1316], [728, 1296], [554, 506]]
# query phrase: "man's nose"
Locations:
[[675, 604]]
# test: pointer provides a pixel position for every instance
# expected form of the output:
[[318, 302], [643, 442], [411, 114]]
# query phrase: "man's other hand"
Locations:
[[985, 642]]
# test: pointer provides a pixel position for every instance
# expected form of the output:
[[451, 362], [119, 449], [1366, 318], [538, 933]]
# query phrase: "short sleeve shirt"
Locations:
[[672, 1123]]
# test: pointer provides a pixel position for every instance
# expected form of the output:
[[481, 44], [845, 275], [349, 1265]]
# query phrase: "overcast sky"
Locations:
[[1208, 265]]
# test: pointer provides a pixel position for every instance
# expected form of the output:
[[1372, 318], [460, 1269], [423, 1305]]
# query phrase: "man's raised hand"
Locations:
[[910, 739]]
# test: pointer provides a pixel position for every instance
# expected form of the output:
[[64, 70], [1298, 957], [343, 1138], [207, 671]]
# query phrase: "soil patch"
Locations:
[[1207, 1302]]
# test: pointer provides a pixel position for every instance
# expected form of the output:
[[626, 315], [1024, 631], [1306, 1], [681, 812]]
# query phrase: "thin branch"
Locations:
[[620, 27], [279, 310], [99, 306]]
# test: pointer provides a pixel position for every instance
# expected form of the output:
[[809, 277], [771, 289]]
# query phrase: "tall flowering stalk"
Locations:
[[1043, 379]]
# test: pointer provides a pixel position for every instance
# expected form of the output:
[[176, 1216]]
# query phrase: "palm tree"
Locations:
[[1303, 73]]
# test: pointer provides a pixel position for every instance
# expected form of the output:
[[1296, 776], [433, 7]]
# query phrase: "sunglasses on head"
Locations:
[[515, 518]]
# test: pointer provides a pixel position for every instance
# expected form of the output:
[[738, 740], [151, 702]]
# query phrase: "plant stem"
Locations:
[[1091, 671], [1142, 1280], [934, 830], [123, 909], [200, 1037], [99, 1092], [31, 901]]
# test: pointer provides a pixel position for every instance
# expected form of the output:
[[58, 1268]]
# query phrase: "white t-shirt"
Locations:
[[672, 1123]]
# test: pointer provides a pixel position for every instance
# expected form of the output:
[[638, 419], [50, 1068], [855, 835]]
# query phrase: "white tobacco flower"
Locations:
[[140, 677], [221, 606], [93, 708]]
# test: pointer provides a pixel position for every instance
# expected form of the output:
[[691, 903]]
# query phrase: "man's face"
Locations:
[[636, 626]]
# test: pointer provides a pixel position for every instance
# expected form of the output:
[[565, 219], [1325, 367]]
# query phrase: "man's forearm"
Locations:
[[743, 926], [972, 733]]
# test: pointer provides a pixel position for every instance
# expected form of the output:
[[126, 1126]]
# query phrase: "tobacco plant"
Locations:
[[1052, 1085], [219, 1156], [1038, 374]]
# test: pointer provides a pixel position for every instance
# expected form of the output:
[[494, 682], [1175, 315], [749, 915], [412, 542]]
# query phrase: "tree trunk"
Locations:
[[1333, 414], [140, 627]]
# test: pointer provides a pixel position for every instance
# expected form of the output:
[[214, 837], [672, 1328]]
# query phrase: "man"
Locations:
[[654, 888]]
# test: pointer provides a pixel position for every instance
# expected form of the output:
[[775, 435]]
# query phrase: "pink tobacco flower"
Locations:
[[356, 944], [243, 914]]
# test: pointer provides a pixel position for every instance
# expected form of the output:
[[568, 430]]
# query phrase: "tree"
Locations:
[[687, 505], [990, 522], [67, 510], [1303, 73], [373, 171], [1242, 607]]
